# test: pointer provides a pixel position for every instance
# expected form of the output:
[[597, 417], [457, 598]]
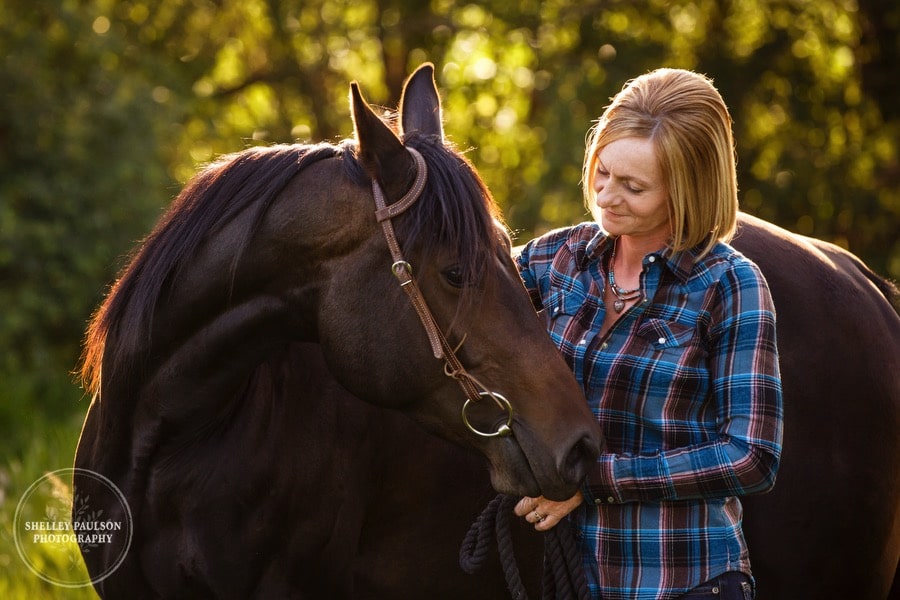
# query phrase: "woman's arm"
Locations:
[[746, 383]]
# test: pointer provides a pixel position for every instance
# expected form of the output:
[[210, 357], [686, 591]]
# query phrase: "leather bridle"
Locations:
[[402, 270]]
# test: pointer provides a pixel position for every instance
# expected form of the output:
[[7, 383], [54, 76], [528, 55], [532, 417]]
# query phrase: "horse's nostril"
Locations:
[[580, 458]]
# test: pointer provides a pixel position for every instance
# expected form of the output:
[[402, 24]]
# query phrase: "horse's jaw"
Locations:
[[518, 468], [509, 469]]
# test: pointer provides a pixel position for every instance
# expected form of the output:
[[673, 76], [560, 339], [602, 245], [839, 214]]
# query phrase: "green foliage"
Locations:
[[107, 106], [82, 177], [40, 445]]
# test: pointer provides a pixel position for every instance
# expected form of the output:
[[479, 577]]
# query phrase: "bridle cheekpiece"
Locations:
[[402, 270]]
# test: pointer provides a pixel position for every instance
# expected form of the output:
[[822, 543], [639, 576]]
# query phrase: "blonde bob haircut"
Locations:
[[684, 116]]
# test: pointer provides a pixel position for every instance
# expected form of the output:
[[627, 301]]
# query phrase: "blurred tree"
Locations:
[[106, 103], [81, 177]]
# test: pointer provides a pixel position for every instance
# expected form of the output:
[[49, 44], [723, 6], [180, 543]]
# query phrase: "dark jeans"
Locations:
[[727, 586]]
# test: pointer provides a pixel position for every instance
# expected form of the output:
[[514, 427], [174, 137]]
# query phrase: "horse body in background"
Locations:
[[191, 360], [830, 528]]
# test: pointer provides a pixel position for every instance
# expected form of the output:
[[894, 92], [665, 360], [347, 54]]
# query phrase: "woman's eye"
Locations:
[[454, 276]]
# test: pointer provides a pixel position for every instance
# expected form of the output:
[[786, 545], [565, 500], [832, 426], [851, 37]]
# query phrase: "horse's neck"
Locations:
[[208, 330], [235, 301]]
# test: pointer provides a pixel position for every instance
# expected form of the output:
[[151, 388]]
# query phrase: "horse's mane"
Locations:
[[457, 211]]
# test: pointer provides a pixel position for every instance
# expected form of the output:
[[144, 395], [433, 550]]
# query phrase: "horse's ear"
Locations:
[[420, 105], [379, 149]]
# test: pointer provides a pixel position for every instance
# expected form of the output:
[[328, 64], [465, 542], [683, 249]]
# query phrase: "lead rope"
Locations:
[[563, 577]]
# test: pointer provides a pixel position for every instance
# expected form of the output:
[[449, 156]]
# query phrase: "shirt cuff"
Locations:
[[599, 486]]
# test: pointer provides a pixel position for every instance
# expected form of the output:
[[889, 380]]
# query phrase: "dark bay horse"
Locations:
[[197, 417], [830, 529]]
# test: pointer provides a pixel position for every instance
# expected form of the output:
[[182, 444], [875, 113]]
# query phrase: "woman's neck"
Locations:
[[631, 250]]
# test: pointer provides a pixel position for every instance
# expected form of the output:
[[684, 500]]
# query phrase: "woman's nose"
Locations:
[[603, 197]]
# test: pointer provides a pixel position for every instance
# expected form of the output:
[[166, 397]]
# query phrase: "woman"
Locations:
[[671, 332]]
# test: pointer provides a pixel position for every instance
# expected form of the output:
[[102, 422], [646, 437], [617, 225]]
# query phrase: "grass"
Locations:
[[32, 448]]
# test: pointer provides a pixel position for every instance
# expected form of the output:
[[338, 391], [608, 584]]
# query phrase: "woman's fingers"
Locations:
[[525, 506]]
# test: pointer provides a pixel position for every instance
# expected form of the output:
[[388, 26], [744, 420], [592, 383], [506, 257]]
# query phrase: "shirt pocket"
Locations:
[[661, 335], [561, 310]]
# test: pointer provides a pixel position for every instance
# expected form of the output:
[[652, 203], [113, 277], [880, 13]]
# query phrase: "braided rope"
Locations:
[[563, 577]]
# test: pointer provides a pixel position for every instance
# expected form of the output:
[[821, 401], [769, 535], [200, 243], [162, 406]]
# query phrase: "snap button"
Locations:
[[604, 346], [611, 500], [556, 310], [661, 340], [715, 590], [582, 342], [652, 259]]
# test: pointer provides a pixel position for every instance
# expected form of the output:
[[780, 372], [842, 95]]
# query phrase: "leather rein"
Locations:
[[402, 270]]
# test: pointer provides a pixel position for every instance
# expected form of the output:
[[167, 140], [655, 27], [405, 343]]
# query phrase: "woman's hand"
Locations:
[[545, 514]]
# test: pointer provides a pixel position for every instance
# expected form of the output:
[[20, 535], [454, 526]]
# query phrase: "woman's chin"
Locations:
[[612, 224]]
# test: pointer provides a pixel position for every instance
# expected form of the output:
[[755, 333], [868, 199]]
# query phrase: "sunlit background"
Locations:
[[107, 108]]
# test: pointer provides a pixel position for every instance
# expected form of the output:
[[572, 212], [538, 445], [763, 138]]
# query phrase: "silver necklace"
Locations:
[[622, 295]]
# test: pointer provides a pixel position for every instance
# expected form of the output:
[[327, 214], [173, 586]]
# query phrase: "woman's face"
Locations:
[[631, 191]]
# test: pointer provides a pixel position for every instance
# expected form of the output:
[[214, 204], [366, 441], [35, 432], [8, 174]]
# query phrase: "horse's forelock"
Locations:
[[456, 211]]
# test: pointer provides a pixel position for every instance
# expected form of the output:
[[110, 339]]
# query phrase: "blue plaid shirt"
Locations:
[[687, 389]]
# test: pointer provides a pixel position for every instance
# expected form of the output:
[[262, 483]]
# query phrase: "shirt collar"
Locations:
[[586, 251], [681, 263]]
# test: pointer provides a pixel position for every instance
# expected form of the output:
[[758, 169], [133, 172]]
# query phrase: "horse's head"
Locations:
[[377, 342], [282, 244]]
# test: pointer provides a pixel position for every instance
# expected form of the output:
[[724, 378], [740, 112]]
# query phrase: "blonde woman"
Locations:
[[671, 333]]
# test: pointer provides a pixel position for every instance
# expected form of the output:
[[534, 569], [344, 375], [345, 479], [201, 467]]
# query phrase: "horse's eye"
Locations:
[[454, 276]]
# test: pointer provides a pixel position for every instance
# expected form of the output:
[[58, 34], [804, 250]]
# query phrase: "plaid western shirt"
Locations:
[[687, 389]]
